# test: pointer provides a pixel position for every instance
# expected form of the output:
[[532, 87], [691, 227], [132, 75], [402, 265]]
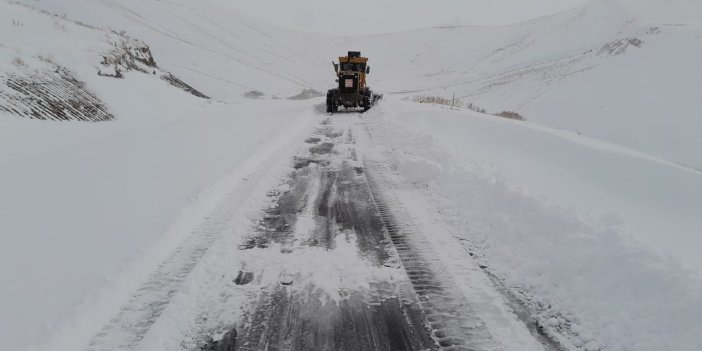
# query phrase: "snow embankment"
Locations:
[[598, 241]]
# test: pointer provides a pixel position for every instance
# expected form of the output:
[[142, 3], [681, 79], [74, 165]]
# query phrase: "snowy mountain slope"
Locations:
[[542, 68], [620, 71], [207, 43], [612, 70]]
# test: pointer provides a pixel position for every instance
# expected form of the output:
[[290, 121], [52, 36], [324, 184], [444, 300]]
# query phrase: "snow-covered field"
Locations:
[[588, 212]]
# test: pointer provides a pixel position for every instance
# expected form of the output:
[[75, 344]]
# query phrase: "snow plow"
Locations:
[[352, 92]]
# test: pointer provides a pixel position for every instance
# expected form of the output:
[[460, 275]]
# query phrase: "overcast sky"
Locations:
[[378, 16]]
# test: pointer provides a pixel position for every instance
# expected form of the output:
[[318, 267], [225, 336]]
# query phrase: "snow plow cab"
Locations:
[[352, 91]]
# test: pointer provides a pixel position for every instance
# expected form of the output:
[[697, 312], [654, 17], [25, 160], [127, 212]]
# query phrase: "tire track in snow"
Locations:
[[455, 325], [427, 296], [335, 281], [128, 328], [135, 318], [505, 318]]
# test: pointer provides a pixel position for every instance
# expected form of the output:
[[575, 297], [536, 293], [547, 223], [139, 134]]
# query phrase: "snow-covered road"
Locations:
[[333, 262], [181, 218], [360, 232]]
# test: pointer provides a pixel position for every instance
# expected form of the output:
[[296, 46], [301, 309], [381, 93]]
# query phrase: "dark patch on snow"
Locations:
[[278, 222], [51, 95], [302, 162], [653, 30], [321, 149], [254, 94], [174, 81], [228, 342], [244, 278], [313, 140], [127, 55], [619, 47], [285, 320], [286, 317], [131, 54], [306, 95], [330, 133]]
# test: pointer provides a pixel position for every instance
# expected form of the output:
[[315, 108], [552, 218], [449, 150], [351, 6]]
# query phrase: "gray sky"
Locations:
[[377, 16]]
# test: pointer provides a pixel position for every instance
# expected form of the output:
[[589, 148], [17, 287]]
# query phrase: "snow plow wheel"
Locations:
[[331, 102], [367, 100]]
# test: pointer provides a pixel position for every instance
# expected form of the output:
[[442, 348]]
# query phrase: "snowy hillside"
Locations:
[[207, 43], [626, 72], [141, 142], [72, 190]]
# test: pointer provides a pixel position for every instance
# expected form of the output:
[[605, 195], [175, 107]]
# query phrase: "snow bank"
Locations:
[[599, 243]]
